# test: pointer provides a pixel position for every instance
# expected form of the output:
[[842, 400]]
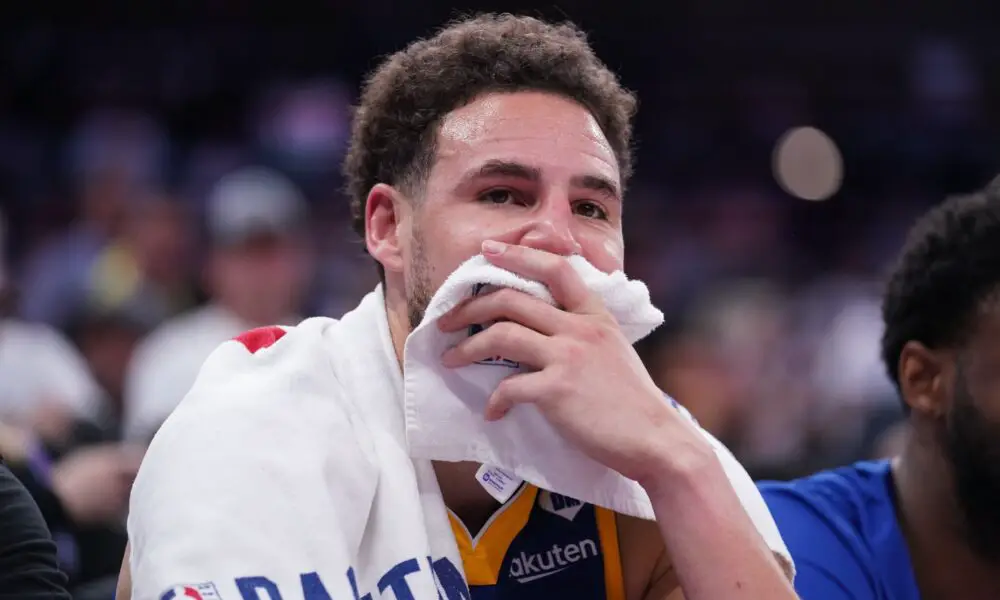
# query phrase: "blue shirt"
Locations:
[[842, 531]]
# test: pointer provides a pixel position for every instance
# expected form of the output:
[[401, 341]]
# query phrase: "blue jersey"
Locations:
[[541, 546], [842, 531]]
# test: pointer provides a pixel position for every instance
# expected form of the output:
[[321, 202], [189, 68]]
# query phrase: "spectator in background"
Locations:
[[749, 322], [926, 524], [46, 384], [83, 496], [28, 569], [52, 413], [143, 261], [852, 402], [113, 157], [55, 279], [144, 270], [257, 273], [107, 339]]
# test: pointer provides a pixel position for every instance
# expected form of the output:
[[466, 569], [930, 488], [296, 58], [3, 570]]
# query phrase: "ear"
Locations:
[[925, 378], [385, 212]]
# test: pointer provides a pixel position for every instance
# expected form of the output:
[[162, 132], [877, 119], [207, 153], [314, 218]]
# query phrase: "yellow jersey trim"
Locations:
[[483, 556], [607, 529]]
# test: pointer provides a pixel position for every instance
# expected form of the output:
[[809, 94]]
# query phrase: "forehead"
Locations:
[[546, 131]]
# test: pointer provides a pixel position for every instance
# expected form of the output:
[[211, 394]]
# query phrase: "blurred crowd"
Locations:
[[138, 235]]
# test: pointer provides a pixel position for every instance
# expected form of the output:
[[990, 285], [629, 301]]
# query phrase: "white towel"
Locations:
[[286, 471], [444, 407]]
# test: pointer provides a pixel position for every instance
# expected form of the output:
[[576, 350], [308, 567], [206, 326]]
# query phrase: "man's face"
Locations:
[[524, 168], [263, 278], [971, 436]]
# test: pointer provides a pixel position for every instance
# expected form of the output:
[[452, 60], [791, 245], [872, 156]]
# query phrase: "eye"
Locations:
[[590, 210], [499, 196]]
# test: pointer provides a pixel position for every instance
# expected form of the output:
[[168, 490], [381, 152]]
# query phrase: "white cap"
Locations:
[[254, 201]]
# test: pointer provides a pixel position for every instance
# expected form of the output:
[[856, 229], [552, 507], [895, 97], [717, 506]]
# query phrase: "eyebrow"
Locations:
[[503, 168], [601, 185]]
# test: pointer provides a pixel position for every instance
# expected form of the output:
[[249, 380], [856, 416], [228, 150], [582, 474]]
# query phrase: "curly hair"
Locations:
[[405, 99], [948, 269]]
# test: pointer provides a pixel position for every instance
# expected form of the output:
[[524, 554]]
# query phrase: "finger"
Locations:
[[552, 270], [505, 305], [520, 388], [508, 340]]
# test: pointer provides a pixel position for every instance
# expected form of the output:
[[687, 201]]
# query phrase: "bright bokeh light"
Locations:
[[807, 164]]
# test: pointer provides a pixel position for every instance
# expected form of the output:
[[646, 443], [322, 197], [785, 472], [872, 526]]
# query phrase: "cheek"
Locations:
[[447, 243], [605, 253], [614, 249]]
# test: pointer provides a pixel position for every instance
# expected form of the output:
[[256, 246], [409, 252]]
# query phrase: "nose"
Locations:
[[551, 231]]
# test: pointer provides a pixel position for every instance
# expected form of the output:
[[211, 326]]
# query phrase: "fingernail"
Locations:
[[494, 247]]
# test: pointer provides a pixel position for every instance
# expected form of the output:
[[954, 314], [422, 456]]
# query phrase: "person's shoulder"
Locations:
[[275, 350], [10, 487], [39, 337], [28, 566], [841, 527], [265, 367], [18, 329], [845, 493], [267, 392], [843, 508], [267, 443], [165, 365], [268, 381], [19, 510]]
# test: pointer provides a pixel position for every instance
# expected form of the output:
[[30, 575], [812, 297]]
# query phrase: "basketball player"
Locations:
[[506, 136], [926, 525]]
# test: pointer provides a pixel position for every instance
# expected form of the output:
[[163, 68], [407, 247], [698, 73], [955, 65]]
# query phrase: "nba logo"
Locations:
[[198, 591]]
